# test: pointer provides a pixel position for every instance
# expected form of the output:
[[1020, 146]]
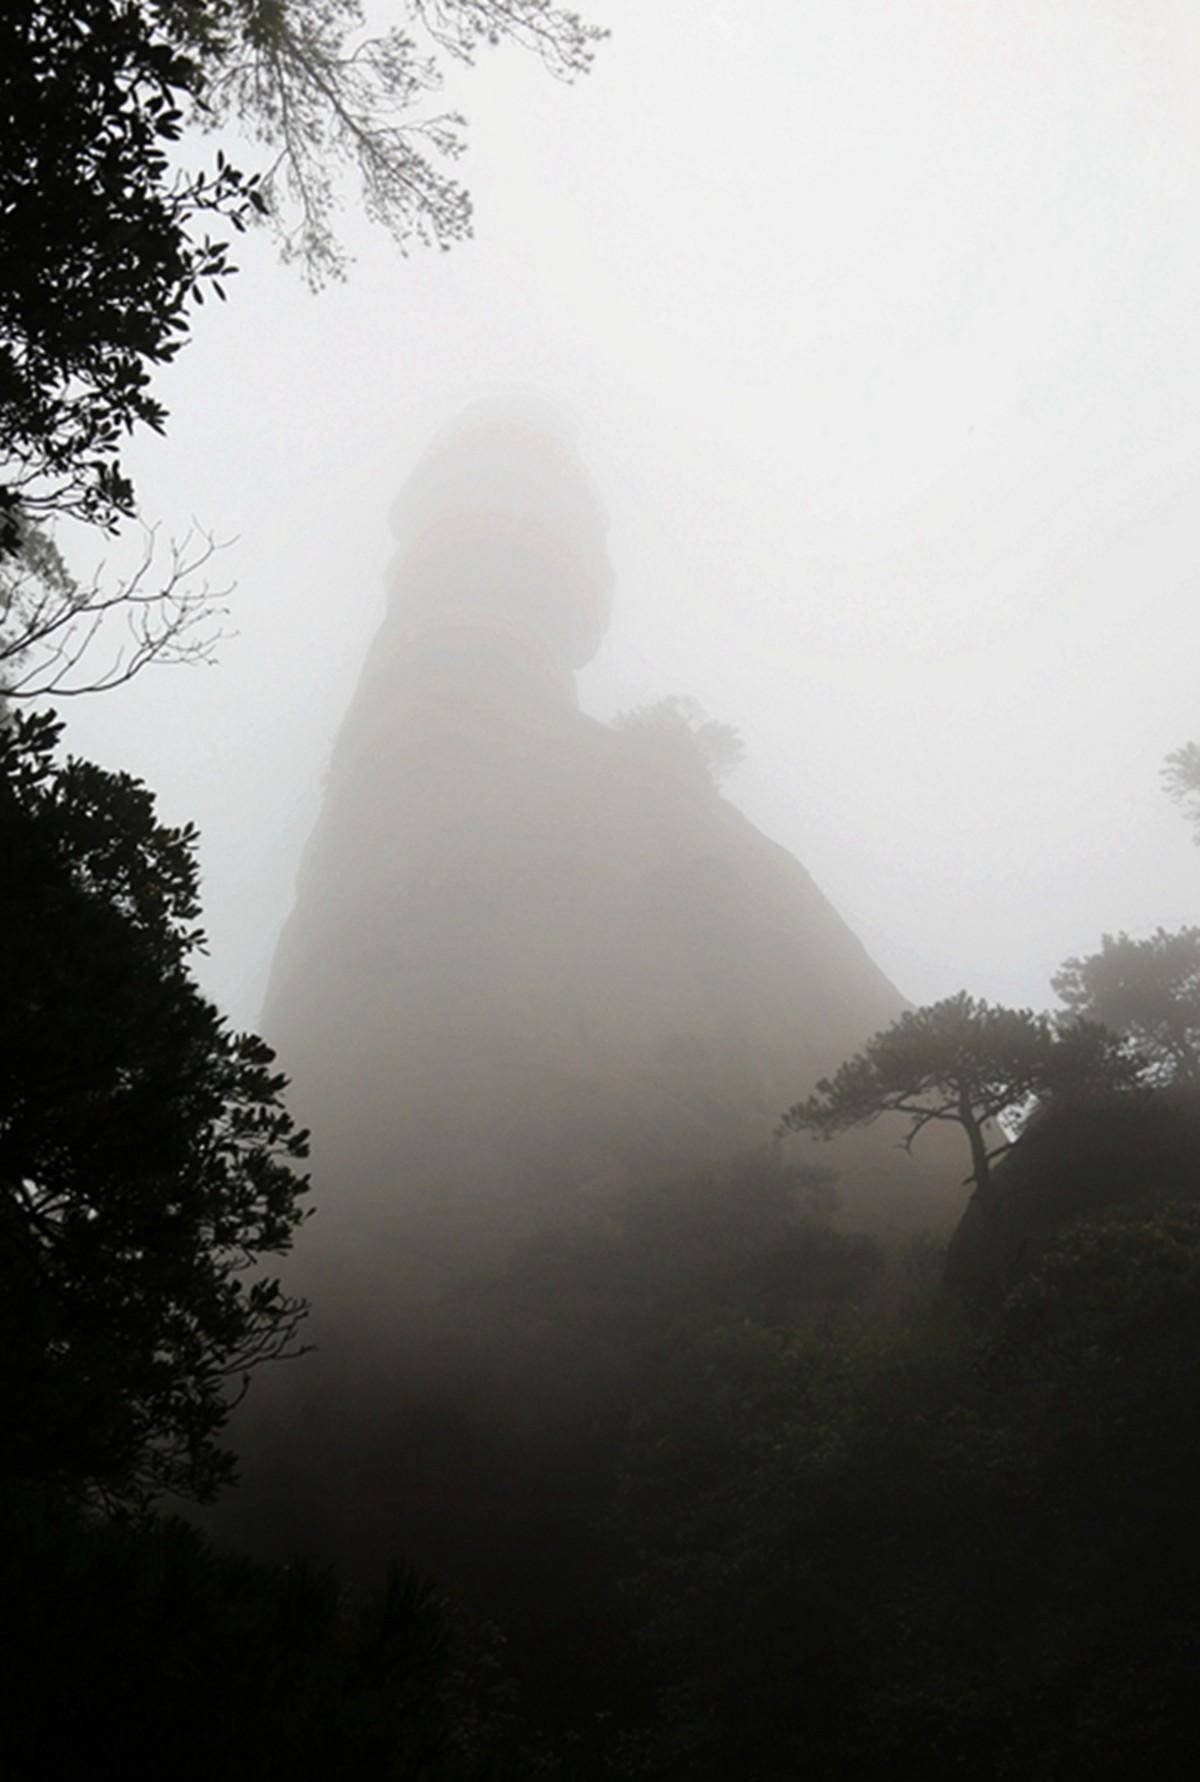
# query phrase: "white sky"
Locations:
[[880, 320]]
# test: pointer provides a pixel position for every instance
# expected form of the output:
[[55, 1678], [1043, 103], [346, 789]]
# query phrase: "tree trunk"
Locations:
[[981, 1173], [970, 1260]]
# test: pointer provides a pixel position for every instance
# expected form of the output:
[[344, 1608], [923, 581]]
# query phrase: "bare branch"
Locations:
[[62, 638]]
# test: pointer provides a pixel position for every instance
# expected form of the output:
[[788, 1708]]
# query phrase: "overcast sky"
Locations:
[[880, 322]]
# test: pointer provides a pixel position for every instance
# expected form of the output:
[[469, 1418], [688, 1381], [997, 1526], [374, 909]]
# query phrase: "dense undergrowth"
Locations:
[[841, 1522]]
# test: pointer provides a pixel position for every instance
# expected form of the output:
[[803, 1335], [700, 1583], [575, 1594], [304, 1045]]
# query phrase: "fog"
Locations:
[[745, 593], [542, 986], [877, 326]]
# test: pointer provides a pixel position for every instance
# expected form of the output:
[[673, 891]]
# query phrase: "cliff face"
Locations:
[[1074, 1163], [527, 955], [530, 953], [533, 962]]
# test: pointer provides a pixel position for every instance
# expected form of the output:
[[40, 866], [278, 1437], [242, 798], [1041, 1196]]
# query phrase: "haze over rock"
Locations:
[[535, 960]]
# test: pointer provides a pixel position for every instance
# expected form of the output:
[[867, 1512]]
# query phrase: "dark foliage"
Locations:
[[752, 1517], [958, 1542], [146, 1158], [134, 1653], [1077, 1159], [102, 238], [97, 241], [498, 1416], [968, 1063]]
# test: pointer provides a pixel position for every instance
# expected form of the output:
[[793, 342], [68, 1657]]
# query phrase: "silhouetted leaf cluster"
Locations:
[[101, 230], [959, 1540], [130, 1652], [97, 240], [146, 1158]]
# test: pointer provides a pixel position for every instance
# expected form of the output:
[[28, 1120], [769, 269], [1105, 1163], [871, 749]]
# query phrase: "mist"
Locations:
[[680, 794], [539, 973], [877, 327]]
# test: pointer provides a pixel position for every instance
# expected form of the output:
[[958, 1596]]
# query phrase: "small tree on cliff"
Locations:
[[968, 1063], [678, 732], [146, 1158]]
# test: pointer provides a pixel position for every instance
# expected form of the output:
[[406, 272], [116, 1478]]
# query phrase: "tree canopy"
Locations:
[[147, 1162], [101, 229], [1148, 990], [325, 93], [963, 1061], [96, 241]]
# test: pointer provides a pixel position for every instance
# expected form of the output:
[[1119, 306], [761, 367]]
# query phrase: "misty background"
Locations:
[[878, 323]]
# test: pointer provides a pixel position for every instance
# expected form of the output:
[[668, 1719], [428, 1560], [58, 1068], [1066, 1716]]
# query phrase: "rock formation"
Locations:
[[534, 959]]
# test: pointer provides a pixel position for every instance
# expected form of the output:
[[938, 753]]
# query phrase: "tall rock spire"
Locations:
[[500, 530], [532, 962]]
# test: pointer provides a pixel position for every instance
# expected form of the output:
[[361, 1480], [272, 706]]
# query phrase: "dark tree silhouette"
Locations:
[[101, 231], [146, 1158], [328, 94], [963, 1061], [99, 260]]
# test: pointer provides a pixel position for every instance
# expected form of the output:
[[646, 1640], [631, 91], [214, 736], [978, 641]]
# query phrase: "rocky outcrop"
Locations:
[[1075, 1161], [534, 961]]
